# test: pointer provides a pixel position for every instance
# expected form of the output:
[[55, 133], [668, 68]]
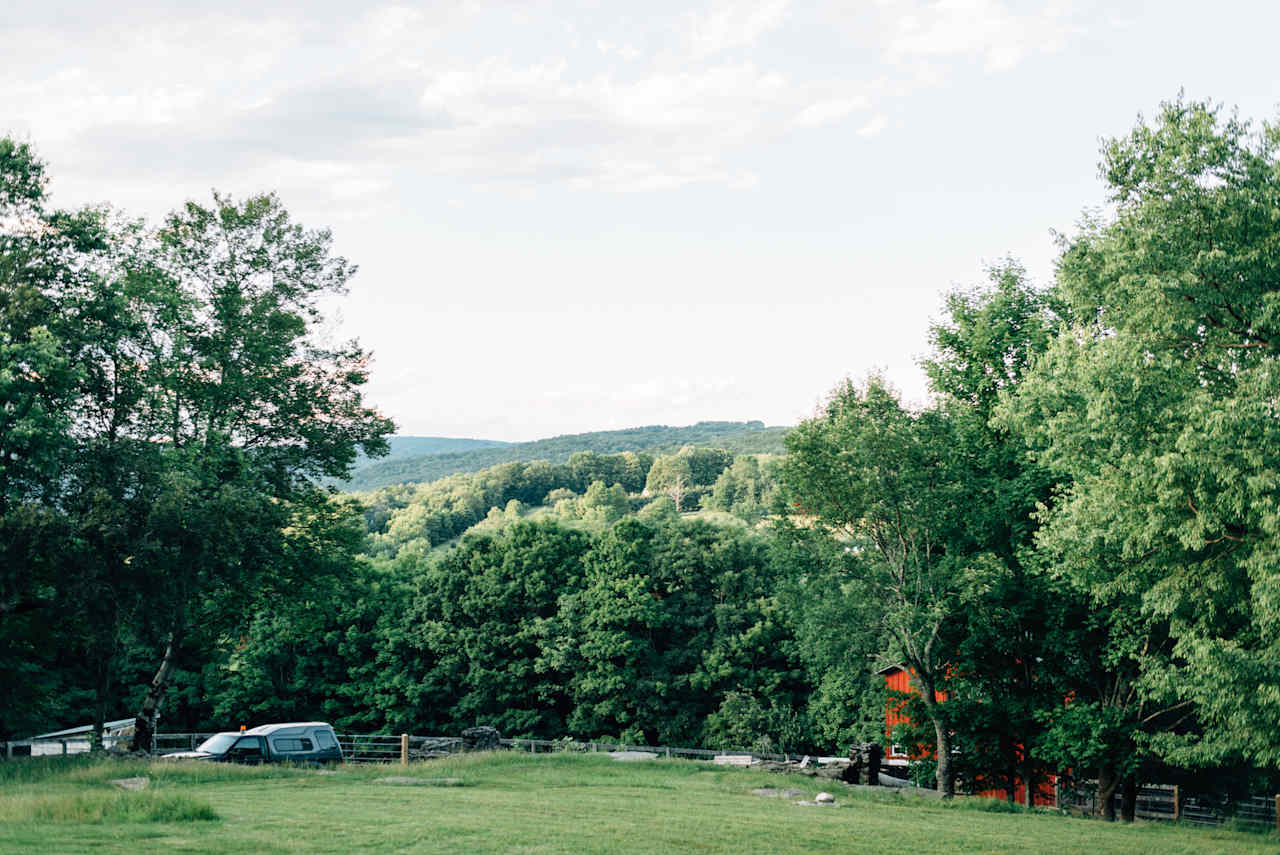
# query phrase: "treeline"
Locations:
[[739, 437], [414, 518], [676, 632]]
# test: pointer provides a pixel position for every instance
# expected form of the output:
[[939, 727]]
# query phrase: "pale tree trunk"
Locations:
[[1028, 786], [946, 778], [676, 491], [144, 725]]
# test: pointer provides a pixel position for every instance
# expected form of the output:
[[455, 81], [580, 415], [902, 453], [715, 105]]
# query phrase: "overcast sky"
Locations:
[[585, 216]]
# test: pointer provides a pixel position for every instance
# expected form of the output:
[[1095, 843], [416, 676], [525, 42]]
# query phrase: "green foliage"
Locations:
[[1158, 406], [660, 510], [475, 631], [669, 620], [762, 725], [604, 504]]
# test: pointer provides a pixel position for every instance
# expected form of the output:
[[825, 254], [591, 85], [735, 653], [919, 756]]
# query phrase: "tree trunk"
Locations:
[[144, 725], [1130, 808], [1107, 783], [946, 778], [1028, 786]]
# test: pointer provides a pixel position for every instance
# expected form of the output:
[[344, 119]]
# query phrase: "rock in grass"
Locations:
[[132, 783], [774, 793], [825, 799], [733, 759], [480, 739], [421, 782], [632, 756]]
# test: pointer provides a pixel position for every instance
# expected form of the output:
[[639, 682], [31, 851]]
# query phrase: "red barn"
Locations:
[[898, 679]]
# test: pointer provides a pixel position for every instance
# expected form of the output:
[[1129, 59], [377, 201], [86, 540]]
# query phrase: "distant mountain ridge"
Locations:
[[418, 459], [422, 446]]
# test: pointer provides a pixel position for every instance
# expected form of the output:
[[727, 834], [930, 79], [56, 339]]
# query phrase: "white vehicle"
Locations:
[[298, 742]]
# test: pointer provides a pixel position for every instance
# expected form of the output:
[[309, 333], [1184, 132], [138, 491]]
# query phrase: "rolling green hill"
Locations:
[[404, 467], [423, 446]]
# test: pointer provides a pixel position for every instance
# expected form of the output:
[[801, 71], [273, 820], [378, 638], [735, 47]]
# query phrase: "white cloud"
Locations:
[[832, 110], [874, 127], [985, 29], [625, 51], [734, 25], [484, 92]]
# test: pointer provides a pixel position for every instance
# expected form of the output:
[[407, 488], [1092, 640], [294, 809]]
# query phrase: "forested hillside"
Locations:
[[405, 467]]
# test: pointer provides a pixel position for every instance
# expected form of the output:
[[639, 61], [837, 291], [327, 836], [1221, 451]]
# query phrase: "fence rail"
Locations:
[[1166, 803]]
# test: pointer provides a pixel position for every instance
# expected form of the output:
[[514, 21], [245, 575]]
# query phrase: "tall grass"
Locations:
[[106, 807], [86, 769]]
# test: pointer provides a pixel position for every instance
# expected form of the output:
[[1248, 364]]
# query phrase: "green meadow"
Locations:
[[510, 802]]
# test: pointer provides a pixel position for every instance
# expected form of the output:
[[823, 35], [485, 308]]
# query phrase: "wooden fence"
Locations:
[[1167, 803]]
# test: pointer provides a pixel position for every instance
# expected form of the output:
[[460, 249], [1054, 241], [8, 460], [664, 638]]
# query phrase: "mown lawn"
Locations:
[[511, 802]]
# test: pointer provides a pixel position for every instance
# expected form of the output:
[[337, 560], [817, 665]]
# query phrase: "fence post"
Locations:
[[1277, 813], [64, 747], [8, 750], [404, 749], [1177, 803]]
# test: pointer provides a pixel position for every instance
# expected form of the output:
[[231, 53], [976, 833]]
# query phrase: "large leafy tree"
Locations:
[[48, 260], [1158, 407], [885, 480], [1012, 645], [247, 405]]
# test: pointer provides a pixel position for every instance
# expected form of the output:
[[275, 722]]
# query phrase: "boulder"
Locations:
[[733, 760], [825, 799], [633, 756], [480, 739], [421, 782]]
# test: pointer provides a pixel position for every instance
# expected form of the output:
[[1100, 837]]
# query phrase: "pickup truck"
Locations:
[[312, 742]]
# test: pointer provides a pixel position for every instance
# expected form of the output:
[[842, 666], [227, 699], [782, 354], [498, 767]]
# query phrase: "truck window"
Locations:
[[325, 738], [247, 746], [292, 744]]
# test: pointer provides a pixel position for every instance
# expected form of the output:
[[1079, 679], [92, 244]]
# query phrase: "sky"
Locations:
[[588, 216]]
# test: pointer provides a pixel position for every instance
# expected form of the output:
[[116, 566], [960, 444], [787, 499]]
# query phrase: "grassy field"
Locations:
[[518, 803]]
